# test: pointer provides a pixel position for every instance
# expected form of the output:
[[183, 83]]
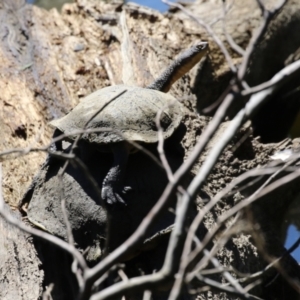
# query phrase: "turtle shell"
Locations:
[[131, 116]]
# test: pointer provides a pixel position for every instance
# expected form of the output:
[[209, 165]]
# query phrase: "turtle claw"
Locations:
[[112, 196]]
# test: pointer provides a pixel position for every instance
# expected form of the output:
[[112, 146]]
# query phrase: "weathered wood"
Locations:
[[21, 276]]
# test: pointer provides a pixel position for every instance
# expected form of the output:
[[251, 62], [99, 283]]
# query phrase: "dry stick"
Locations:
[[152, 280], [160, 146], [294, 66], [231, 189], [229, 38], [217, 246], [226, 274], [6, 214], [71, 249], [272, 264], [194, 255], [216, 285], [25, 151], [278, 183], [257, 88], [222, 269], [245, 277], [235, 124], [209, 30], [100, 281], [227, 9], [281, 268], [62, 171], [122, 275], [210, 256], [177, 237], [205, 261], [147, 295], [256, 38], [60, 176], [222, 288], [62, 199], [140, 234], [238, 288], [242, 71], [148, 282]]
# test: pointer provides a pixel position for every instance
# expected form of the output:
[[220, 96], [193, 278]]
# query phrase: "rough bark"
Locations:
[[20, 272]]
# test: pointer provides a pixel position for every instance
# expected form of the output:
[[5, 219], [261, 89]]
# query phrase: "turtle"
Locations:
[[122, 114]]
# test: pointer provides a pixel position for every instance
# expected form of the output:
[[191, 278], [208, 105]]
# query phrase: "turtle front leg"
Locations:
[[58, 144], [112, 186]]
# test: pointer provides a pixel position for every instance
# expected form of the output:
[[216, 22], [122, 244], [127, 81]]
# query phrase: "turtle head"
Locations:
[[184, 63]]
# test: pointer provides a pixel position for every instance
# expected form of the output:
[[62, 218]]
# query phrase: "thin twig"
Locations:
[[141, 232], [241, 205], [257, 36], [69, 136], [229, 38], [210, 161], [160, 146], [209, 30], [6, 214]]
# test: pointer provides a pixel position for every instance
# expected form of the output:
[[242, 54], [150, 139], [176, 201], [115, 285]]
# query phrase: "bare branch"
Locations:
[[209, 30], [138, 284], [229, 38], [147, 295], [223, 288], [227, 9], [160, 146], [141, 232], [256, 38], [208, 164], [241, 205]]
